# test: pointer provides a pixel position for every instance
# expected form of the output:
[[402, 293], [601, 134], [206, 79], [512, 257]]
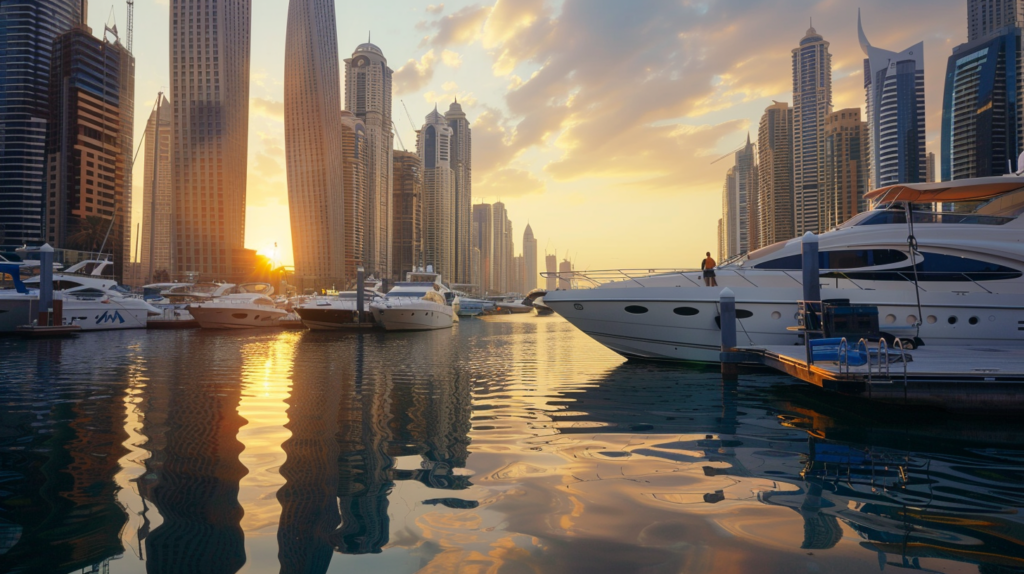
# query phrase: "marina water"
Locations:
[[512, 444]]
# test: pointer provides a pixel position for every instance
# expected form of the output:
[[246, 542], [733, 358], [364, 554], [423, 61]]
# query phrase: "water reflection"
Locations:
[[514, 445]]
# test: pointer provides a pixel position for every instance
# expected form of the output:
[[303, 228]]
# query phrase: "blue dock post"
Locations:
[[360, 303], [727, 312]]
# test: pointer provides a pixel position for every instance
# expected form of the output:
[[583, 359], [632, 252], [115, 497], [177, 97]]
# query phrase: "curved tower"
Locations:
[[368, 96], [313, 144]]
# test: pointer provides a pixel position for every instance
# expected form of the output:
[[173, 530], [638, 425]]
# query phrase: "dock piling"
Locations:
[[727, 313], [811, 274], [360, 303], [46, 288]]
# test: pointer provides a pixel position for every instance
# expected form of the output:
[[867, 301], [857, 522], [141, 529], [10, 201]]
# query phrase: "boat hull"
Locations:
[[427, 317], [236, 318], [669, 324], [327, 319]]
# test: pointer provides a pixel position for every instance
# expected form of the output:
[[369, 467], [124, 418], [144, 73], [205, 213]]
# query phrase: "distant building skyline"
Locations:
[[845, 167], [157, 197], [981, 107], [210, 99], [775, 175], [462, 201], [407, 251], [812, 101], [356, 164], [739, 203], [368, 91], [895, 112], [434, 148], [530, 275], [985, 16], [483, 240], [314, 147], [30, 28]]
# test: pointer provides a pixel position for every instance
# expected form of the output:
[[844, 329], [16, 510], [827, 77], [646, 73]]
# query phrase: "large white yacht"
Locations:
[[417, 304], [250, 307], [943, 278], [93, 301], [338, 311]]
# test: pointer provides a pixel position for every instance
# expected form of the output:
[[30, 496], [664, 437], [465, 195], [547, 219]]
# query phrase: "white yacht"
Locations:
[[338, 311], [95, 302], [949, 277], [250, 307], [417, 304]]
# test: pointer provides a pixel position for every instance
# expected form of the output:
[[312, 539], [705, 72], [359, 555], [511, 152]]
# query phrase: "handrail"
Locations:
[[882, 346], [863, 344], [844, 356]]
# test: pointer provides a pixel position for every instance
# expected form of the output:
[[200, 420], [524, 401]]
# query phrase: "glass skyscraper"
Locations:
[[27, 31]]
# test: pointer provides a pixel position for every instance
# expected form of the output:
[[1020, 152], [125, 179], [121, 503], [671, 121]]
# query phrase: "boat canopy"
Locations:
[[14, 271], [976, 189]]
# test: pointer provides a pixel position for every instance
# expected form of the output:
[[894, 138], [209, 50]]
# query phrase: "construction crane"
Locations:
[[131, 24], [400, 142], [408, 115]]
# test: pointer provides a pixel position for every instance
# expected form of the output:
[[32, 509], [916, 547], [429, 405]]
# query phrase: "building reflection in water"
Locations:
[[352, 416], [191, 421], [58, 507]]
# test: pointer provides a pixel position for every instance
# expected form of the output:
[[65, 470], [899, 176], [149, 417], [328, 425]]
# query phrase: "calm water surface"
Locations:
[[508, 445]]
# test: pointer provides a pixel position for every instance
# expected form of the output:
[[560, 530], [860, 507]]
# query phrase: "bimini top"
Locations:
[[975, 189]]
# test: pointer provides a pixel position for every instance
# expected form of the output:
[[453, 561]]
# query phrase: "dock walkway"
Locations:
[[965, 379]]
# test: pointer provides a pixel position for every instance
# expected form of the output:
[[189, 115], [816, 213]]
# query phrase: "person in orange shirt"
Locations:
[[708, 266]]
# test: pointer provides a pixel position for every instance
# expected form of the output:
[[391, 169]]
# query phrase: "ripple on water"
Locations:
[[509, 443]]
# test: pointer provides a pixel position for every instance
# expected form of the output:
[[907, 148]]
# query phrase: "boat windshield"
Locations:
[[406, 295], [899, 216]]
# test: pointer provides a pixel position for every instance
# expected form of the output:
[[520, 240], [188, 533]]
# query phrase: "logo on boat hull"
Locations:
[[110, 317]]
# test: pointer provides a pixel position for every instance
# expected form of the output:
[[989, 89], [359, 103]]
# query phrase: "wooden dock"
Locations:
[[961, 379]]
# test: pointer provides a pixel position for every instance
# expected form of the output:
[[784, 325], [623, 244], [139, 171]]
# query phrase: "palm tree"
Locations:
[[89, 233]]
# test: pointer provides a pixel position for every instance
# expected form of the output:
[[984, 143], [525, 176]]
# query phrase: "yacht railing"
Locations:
[[590, 279]]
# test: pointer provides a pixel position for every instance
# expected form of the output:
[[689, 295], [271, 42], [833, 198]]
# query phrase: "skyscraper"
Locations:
[[530, 260], [313, 144], [551, 265], [845, 167], [985, 16], [210, 97], [812, 101], [739, 203], [483, 224], [86, 159], [407, 251], [502, 245], [462, 165], [981, 115], [122, 232], [930, 176], [356, 164], [775, 175], [730, 216], [434, 145], [27, 31], [157, 197], [894, 83], [368, 96]]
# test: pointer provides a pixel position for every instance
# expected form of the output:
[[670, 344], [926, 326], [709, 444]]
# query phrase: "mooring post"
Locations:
[[360, 292], [811, 274], [727, 316], [46, 286]]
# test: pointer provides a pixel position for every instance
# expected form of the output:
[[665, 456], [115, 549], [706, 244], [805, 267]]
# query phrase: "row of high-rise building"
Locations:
[[495, 269], [815, 164], [812, 165], [66, 129]]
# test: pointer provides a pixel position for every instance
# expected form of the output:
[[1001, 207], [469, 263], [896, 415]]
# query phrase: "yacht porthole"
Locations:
[[952, 320], [931, 319], [776, 315], [743, 314], [578, 307], [685, 311], [890, 319], [636, 309], [911, 319], [239, 315], [973, 320], [991, 318]]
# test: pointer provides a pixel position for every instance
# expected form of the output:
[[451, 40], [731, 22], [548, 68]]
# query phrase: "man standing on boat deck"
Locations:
[[708, 266]]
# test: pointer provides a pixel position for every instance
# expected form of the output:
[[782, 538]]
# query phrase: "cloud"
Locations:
[[451, 59], [414, 75], [435, 8], [461, 27], [508, 182], [267, 108]]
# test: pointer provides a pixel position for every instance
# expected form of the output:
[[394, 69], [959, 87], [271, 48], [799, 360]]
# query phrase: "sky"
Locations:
[[596, 121]]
